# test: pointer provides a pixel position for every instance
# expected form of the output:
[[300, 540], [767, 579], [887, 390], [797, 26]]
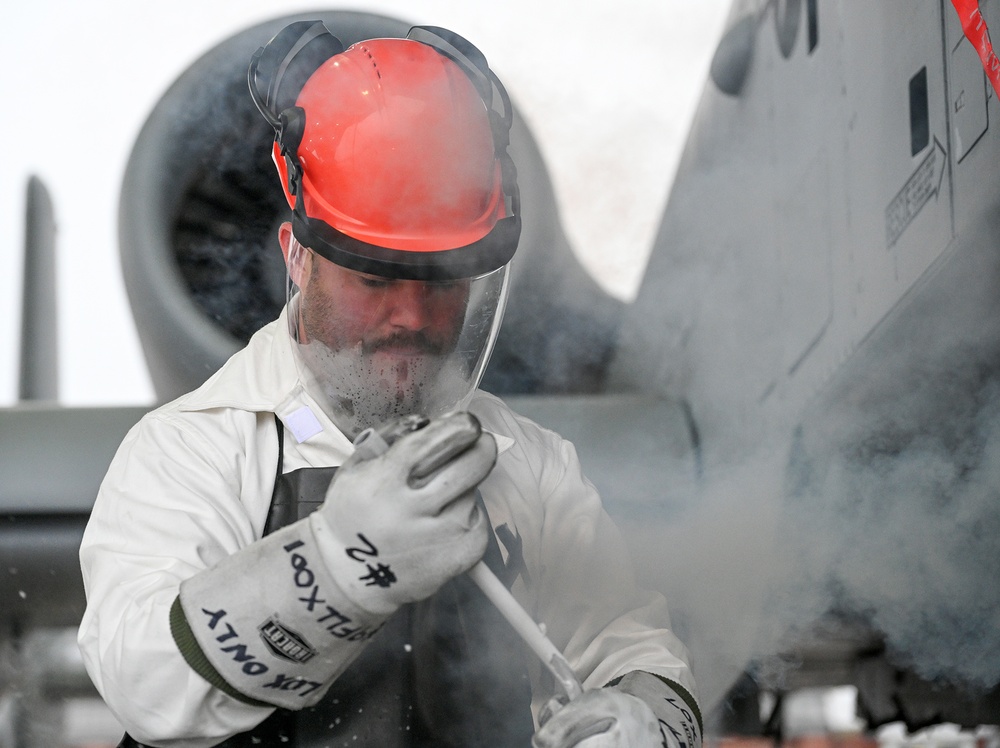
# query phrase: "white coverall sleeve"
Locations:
[[595, 613], [169, 507]]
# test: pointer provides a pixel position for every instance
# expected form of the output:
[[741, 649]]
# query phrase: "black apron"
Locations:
[[447, 671]]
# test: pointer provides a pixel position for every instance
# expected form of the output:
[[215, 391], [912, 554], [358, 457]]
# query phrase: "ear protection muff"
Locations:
[[468, 57], [283, 66]]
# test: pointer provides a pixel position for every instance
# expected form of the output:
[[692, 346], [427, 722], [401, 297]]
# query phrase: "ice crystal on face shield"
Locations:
[[363, 391]]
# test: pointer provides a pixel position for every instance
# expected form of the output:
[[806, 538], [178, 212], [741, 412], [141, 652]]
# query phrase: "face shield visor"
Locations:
[[405, 214], [374, 348]]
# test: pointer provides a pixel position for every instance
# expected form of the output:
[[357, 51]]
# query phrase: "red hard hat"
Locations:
[[392, 156]]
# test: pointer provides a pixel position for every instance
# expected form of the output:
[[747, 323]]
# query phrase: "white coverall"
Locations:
[[192, 482]]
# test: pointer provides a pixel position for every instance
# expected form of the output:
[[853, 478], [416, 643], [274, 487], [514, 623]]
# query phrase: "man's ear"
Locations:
[[296, 256]]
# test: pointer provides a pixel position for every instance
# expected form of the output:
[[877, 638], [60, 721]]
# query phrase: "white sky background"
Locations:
[[608, 88]]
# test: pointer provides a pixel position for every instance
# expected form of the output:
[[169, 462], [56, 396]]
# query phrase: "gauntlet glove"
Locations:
[[276, 622]]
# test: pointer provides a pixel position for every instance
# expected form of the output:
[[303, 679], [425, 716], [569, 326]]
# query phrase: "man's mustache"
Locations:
[[416, 341]]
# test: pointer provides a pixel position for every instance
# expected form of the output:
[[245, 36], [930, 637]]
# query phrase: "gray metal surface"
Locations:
[[39, 375]]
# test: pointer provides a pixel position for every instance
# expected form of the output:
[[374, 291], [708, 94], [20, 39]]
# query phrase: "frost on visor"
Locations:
[[375, 348]]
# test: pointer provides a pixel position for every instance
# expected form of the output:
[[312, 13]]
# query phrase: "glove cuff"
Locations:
[[675, 708], [272, 621]]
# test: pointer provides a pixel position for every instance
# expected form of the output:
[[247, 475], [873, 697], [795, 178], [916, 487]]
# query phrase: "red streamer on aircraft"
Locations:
[[974, 26]]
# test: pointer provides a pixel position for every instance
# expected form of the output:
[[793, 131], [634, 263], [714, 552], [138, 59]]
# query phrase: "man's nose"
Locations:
[[410, 305]]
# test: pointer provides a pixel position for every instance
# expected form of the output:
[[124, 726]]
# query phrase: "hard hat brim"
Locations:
[[489, 253]]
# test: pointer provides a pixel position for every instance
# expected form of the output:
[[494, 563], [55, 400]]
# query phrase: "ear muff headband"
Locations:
[[285, 63]]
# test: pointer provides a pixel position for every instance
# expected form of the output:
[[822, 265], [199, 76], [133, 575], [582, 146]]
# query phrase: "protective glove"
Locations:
[[601, 718], [396, 526], [276, 622]]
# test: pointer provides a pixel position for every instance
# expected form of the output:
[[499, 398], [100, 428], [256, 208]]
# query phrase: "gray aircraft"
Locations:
[[794, 422]]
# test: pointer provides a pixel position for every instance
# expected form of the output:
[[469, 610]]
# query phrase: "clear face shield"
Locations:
[[374, 348]]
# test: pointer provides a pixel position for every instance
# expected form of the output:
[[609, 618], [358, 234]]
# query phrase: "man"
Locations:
[[280, 555]]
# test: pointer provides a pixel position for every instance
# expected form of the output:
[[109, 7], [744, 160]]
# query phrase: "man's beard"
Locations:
[[367, 385]]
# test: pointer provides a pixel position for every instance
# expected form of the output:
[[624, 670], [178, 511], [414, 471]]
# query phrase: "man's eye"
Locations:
[[446, 287], [369, 282]]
